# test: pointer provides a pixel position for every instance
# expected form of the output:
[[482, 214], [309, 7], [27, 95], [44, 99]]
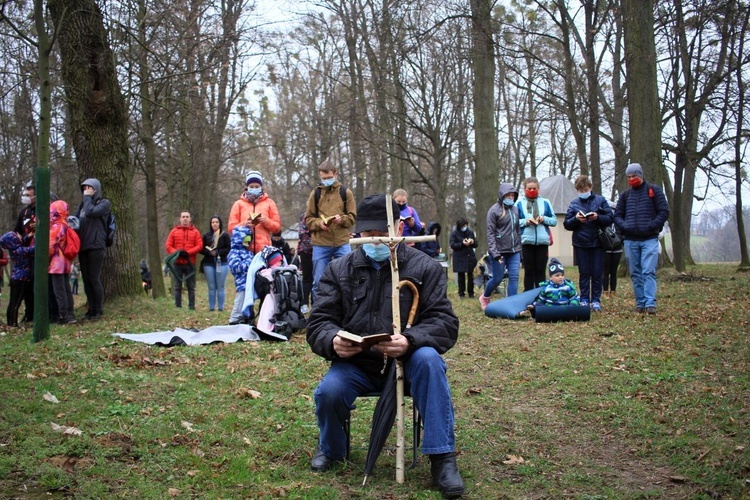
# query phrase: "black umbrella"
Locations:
[[170, 262], [385, 410]]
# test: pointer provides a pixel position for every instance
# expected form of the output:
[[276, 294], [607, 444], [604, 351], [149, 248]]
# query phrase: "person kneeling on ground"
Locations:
[[354, 294]]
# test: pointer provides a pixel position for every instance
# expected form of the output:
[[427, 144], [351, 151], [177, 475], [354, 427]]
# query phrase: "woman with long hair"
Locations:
[[216, 246]]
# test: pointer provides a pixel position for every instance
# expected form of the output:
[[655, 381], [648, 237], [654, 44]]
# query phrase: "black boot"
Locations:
[[445, 475]]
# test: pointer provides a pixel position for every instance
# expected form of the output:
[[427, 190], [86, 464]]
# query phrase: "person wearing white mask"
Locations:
[[256, 211], [331, 212], [588, 213], [463, 242], [28, 199]]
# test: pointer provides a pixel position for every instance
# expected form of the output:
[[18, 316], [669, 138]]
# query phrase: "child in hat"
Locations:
[[239, 259], [556, 291]]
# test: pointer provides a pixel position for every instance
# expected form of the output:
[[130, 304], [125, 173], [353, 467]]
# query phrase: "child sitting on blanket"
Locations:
[[239, 259], [556, 291]]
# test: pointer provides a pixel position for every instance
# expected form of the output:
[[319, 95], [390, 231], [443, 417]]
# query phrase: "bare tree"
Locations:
[[485, 130]]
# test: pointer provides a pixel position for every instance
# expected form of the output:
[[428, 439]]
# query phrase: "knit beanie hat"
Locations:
[[555, 266], [254, 176], [275, 259], [634, 169]]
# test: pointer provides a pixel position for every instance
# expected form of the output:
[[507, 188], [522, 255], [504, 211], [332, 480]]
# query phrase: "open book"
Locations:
[[366, 341], [586, 215], [327, 219], [254, 216]]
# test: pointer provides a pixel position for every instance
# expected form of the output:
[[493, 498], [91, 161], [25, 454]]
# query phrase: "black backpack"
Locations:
[[318, 192], [287, 293]]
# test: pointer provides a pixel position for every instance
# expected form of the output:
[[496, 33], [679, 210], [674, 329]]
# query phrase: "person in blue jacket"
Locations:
[[535, 216], [640, 216], [587, 214]]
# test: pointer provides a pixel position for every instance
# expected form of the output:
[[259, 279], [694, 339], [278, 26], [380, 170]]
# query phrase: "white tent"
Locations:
[[560, 191]]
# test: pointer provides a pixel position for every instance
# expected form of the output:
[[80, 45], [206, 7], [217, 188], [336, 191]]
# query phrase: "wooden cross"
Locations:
[[392, 241]]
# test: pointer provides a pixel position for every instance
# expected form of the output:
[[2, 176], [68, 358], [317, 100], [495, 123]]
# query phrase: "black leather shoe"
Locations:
[[321, 463], [446, 476]]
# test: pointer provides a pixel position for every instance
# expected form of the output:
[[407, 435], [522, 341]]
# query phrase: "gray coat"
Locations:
[[503, 230]]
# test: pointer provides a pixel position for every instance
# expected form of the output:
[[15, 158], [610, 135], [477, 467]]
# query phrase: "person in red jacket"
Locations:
[[187, 240]]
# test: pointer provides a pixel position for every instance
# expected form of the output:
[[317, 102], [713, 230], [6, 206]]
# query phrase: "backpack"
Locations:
[[72, 245], [110, 227], [318, 191], [287, 292]]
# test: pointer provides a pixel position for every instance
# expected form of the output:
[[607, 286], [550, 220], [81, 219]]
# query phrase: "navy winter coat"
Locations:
[[641, 212], [586, 234]]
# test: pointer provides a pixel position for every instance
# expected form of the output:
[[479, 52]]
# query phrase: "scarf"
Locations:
[[531, 206], [251, 198]]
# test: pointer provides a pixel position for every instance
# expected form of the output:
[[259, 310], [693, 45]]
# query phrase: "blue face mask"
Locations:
[[254, 191], [464, 228], [585, 196], [378, 253], [508, 202], [328, 182]]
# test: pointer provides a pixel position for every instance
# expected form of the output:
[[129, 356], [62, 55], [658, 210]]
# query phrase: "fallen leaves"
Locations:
[[50, 397], [513, 460], [244, 392], [68, 431]]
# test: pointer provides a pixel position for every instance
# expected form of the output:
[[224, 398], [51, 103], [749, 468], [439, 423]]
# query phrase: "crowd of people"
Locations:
[[77, 241], [350, 289]]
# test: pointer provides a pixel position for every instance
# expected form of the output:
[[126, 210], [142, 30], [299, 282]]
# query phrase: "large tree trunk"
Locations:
[[643, 96], [149, 167], [485, 130], [98, 117]]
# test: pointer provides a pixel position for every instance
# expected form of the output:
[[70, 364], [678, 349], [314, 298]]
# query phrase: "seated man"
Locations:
[[354, 294]]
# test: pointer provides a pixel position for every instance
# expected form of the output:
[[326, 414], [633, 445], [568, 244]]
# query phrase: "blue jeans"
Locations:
[[320, 259], [589, 261], [643, 257], [513, 262], [425, 370], [216, 285]]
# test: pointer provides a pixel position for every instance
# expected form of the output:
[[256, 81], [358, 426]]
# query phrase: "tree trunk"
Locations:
[[98, 116], [41, 259], [643, 97], [485, 130], [149, 167], [744, 256]]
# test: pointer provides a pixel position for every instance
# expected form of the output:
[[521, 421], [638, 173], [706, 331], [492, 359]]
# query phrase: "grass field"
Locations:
[[625, 406]]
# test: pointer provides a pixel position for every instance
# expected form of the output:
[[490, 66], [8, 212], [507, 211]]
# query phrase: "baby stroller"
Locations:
[[483, 275]]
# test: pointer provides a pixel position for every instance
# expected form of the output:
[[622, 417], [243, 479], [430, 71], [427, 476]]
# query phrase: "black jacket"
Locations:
[[222, 248], [464, 258], [356, 297], [93, 214]]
